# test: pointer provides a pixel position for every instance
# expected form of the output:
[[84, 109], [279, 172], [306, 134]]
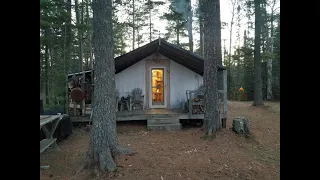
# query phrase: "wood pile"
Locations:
[[196, 108]]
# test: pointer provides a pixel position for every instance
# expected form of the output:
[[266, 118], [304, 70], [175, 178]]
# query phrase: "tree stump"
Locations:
[[240, 125]]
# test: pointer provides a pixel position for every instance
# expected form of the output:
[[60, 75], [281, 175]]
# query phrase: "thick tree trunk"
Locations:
[[212, 51], [257, 98], [103, 145]]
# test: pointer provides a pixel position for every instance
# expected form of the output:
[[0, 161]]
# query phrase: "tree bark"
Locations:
[[201, 28], [87, 16], [79, 18], [269, 62], [68, 35], [138, 38], [178, 34], [89, 38], [212, 51], [201, 36], [257, 97], [150, 26], [133, 25], [218, 37], [103, 145], [233, 3], [46, 73], [190, 35], [66, 96]]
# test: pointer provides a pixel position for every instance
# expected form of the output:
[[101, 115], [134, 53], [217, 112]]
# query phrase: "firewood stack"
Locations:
[[198, 109]]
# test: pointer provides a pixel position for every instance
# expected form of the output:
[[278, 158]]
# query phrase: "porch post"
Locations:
[[225, 94]]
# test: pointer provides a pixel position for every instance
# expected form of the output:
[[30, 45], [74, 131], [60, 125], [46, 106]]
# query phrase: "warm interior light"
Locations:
[[157, 85]]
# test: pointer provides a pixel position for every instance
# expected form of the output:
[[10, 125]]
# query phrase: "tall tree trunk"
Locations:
[[233, 3], [224, 50], [178, 36], [89, 37], [264, 27], [237, 82], [81, 40], [212, 51], [138, 38], [68, 35], [67, 51], [201, 35], [42, 89], [88, 32], [230, 37], [218, 30], [53, 61], [79, 21], [269, 62], [46, 69], [66, 96], [189, 26], [103, 144], [150, 26], [90, 51], [257, 98], [201, 28], [133, 25], [80, 33]]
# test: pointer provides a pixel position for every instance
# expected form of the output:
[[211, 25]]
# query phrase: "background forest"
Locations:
[[66, 36]]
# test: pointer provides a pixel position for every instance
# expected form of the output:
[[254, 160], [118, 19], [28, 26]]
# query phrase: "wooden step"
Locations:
[[45, 143], [165, 127], [154, 121], [163, 116]]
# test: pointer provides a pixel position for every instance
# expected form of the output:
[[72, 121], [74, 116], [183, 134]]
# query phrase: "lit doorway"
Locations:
[[157, 88]]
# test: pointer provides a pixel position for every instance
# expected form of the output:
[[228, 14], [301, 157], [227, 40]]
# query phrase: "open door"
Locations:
[[158, 88]]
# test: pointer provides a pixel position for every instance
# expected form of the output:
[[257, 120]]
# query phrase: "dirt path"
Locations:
[[183, 155]]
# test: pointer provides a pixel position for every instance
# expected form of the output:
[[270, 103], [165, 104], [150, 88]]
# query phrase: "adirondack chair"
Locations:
[[136, 98]]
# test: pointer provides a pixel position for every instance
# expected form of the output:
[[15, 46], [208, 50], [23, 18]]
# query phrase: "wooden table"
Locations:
[[45, 121]]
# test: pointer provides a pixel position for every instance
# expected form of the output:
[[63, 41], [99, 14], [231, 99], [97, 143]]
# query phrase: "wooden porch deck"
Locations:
[[144, 115]]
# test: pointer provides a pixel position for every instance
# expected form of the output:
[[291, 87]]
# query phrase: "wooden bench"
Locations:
[[49, 140], [45, 143]]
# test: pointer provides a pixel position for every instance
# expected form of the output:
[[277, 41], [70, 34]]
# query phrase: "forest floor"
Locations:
[[183, 155]]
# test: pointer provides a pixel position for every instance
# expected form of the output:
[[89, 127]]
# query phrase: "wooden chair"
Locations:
[[125, 103], [136, 98]]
